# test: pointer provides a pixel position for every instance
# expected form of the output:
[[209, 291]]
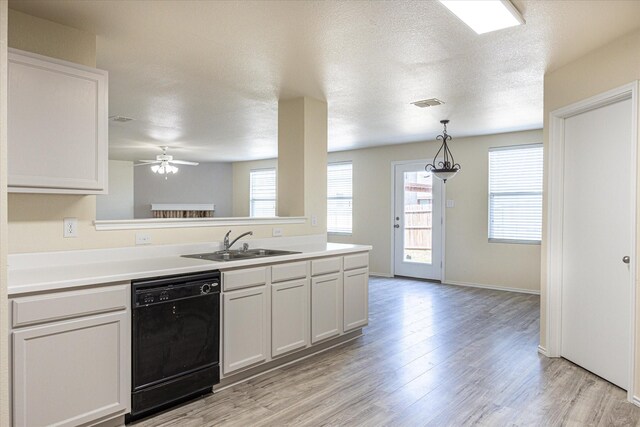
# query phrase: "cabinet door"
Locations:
[[356, 298], [244, 328], [57, 134], [289, 316], [326, 307], [73, 372]]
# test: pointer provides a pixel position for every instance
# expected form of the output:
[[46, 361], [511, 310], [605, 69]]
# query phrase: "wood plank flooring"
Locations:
[[432, 355]]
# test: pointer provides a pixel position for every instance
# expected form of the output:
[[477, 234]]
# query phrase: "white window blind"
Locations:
[[339, 197], [515, 193], [262, 193]]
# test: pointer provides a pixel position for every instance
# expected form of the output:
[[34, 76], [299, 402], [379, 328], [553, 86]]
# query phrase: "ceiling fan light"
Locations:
[[155, 168], [173, 169]]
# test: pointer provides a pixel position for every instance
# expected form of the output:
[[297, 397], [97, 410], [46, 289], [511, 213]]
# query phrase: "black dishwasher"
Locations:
[[175, 340]]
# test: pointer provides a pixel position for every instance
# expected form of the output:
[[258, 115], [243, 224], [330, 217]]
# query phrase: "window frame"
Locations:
[[251, 199], [489, 194], [340, 233]]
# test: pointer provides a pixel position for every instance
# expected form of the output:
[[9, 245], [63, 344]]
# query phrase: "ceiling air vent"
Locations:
[[121, 119], [431, 102]]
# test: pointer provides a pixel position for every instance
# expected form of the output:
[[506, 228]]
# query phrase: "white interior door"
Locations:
[[597, 234], [417, 222]]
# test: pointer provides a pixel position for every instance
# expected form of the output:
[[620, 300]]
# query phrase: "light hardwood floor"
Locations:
[[436, 355]]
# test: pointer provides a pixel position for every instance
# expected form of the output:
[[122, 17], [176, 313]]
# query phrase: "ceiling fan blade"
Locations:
[[184, 162], [147, 162]]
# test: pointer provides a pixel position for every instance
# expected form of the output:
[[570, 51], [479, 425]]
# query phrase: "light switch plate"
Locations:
[[451, 203], [314, 220], [70, 227], [143, 239], [277, 232]]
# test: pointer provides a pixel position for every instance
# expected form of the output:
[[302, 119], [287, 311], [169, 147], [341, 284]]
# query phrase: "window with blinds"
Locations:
[[515, 194], [339, 197], [262, 193]]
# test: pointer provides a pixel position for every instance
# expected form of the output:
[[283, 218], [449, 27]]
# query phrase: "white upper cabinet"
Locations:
[[57, 126]]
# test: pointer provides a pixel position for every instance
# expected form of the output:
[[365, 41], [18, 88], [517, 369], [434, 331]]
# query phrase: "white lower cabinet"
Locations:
[[356, 299], [289, 316], [72, 372], [326, 306], [245, 328]]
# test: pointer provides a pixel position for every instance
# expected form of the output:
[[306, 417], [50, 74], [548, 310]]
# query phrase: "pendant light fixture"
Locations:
[[447, 167]]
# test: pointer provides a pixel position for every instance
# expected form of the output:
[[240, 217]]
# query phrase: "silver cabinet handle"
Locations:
[[626, 259]]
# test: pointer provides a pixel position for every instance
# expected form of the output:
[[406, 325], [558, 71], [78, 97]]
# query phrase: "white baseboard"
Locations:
[[543, 351], [386, 275], [492, 287], [636, 400]]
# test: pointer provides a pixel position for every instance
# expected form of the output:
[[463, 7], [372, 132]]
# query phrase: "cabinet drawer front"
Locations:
[[352, 262], [326, 266], [244, 278], [66, 305], [290, 271]]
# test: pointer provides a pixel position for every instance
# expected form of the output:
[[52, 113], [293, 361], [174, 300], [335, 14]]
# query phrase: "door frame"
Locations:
[[392, 222], [555, 206]]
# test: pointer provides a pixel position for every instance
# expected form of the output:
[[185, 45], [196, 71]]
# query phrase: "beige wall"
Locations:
[[35, 220], [4, 304], [470, 258], [608, 67]]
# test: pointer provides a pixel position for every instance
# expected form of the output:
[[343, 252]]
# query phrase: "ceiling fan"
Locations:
[[164, 163]]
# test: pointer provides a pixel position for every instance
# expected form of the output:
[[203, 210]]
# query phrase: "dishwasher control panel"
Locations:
[[175, 288]]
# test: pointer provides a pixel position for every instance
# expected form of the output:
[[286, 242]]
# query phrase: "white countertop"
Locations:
[[92, 270]]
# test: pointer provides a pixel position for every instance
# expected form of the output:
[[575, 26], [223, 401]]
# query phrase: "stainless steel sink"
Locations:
[[234, 255]]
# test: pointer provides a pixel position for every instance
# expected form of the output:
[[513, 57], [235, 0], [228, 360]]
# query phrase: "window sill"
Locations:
[[515, 241], [337, 233]]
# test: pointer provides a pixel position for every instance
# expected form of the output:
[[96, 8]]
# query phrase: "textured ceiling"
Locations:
[[204, 77]]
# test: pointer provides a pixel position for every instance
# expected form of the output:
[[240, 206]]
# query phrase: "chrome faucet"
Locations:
[[226, 245]]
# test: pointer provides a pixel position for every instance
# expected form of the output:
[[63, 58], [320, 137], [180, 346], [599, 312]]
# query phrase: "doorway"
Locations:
[[591, 234], [417, 222]]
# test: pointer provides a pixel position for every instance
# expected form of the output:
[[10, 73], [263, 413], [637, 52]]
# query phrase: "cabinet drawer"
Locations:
[[326, 266], [244, 278], [69, 304], [289, 271], [352, 262]]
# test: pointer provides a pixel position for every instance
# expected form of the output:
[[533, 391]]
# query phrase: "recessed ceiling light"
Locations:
[[121, 119], [431, 102], [484, 16]]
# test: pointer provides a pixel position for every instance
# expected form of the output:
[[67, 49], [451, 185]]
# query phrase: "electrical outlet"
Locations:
[[143, 239], [314, 220], [277, 232], [70, 227]]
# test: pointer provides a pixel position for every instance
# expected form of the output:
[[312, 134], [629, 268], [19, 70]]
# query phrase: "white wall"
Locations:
[[205, 183], [118, 204]]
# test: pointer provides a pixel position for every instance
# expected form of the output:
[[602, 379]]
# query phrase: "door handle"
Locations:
[[396, 226], [626, 259]]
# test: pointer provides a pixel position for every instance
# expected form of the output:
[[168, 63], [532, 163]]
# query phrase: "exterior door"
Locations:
[[417, 222], [597, 234]]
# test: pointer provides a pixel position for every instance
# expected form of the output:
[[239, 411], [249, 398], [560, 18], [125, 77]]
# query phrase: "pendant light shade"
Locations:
[[446, 168]]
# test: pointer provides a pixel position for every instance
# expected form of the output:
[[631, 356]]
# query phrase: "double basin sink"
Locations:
[[234, 255]]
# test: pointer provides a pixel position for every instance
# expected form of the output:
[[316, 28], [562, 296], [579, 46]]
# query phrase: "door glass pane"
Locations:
[[418, 202]]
